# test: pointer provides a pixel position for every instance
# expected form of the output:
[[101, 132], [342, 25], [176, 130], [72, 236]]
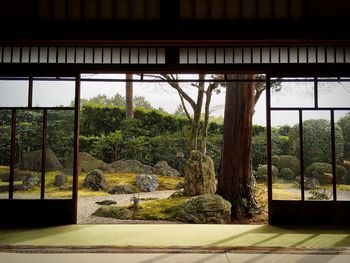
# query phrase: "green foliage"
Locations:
[[280, 145], [5, 146], [344, 123], [104, 120], [323, 172], [291, 162], [317, 141], [287, 174], [258, 130], [275, 160], [262, 172], [258, 150], [107, 147]]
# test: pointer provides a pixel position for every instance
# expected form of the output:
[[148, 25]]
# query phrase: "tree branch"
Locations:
[[184, 107]]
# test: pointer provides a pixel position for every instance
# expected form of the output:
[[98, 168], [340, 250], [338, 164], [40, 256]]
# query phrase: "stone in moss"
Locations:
[[113, 212], [205, 209], [199, 175]]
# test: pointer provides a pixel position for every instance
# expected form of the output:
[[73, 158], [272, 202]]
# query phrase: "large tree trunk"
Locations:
[[235, 181], [129, 97]]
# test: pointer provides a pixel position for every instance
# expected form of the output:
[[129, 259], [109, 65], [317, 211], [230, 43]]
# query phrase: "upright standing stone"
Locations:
[[199, 175]]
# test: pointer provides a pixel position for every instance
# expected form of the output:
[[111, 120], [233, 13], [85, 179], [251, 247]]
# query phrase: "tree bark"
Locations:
[[197, 114], [129, 97], [235, 180]]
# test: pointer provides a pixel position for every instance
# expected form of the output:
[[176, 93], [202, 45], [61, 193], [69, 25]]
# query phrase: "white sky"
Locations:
[[14, 93]]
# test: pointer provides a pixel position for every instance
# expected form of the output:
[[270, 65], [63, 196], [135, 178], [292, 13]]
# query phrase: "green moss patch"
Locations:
[[161, 209], [113, 212]]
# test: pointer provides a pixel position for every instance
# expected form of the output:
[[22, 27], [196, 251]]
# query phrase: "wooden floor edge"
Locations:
[[170, 249]]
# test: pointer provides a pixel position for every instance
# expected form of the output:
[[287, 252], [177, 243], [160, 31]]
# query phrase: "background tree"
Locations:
[[129, 97], [317, 141]]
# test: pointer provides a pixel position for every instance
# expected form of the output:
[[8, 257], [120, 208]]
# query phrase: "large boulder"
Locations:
[[88, 163], [95, 180], [60, 180], [32, 161], [163, 168], [30, 182], [199, 175], [121, 189], [19, 175], [147, 182], [131, 166], [205, 209]]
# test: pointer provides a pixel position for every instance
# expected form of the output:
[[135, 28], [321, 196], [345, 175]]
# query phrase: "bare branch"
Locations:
[[172, 82], [184, 107]]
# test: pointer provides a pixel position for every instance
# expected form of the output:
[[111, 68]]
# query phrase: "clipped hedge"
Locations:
[[262, 171], [289, 161], [104, 120], [287, 174]]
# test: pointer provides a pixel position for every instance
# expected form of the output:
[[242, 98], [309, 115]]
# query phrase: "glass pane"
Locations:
[[5, 152], [285, 159], [59, 171], [292, 94], [342, 119], [14, 93], [317, 155], [53, 93], [28, 154], [334, 94]]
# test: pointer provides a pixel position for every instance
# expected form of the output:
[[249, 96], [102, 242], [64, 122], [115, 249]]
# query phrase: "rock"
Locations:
[[113, 212], [60, 180], [106, 202], [311, 183], [177, 193], [163, 168], [121, 189], [199, 175], [95, 180], [205, 209], [30, 182], [180, 185], [147, 182], [32, 161], [65, 188], [131, 166], [19, 175], [88, 163]]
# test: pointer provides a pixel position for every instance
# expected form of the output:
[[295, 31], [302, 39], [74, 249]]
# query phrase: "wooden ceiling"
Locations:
[[177, 9]]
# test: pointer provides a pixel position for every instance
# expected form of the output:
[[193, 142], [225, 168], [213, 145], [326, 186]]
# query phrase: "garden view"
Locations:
[[142, 167]]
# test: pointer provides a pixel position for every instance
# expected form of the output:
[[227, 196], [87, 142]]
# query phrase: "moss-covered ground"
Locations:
[[165, 183]]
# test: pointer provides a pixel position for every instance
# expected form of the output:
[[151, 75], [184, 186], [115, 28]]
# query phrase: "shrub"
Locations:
[[261, 172], [275, 160], [291, 162], [317, 141], [287, 174], [318, 171], [323, 172]]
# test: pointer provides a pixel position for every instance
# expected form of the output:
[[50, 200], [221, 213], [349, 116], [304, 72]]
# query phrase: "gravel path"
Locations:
[[87, 205]]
